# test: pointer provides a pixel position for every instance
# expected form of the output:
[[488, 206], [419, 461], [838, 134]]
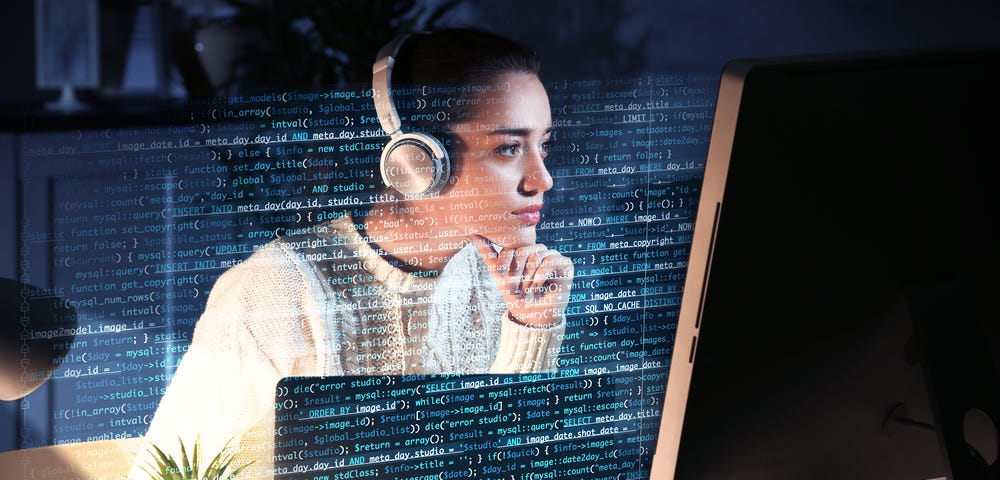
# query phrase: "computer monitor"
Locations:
[[840, 272]]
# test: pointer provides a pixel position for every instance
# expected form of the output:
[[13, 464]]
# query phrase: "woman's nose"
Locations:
[[536, 176]]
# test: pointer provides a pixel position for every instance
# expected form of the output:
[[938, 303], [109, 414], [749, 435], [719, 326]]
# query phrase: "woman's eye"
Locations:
[[508, 149], [544, 147]]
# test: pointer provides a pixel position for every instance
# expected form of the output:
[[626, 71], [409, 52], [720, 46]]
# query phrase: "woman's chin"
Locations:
[[505, 236], [520, 238]]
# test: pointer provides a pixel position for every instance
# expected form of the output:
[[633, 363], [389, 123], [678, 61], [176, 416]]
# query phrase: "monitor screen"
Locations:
[[840, 271], [268, 215]]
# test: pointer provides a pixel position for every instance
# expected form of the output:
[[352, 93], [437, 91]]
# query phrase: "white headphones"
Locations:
[[414, 164]]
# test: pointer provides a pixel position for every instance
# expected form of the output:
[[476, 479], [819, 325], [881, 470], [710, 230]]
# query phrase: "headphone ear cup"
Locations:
[[415, 164]]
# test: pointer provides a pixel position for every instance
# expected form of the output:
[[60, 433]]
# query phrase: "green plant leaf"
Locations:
[[186, 466], [194, 455], [165, 467]]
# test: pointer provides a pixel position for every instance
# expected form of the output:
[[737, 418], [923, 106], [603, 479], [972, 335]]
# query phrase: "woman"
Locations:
[[451, 282]]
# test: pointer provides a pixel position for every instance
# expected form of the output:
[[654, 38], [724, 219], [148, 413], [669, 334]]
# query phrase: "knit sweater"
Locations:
[[324, 302]]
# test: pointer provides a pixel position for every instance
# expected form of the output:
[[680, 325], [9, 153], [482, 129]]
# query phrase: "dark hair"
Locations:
[[461, 56], [454, 61]]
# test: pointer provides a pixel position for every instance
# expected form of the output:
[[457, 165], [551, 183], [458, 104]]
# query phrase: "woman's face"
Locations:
[[499, 171]]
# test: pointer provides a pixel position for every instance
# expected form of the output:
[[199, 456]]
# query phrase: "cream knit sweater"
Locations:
[[323, 302]]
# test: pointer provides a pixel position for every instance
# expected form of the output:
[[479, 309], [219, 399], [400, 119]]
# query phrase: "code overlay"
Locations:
[[412, 427]]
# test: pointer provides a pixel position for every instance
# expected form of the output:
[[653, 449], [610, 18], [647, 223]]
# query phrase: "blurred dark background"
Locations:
[[151, 51], [153, 55]]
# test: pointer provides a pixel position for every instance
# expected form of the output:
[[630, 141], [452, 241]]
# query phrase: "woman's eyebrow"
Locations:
[[523, 132]]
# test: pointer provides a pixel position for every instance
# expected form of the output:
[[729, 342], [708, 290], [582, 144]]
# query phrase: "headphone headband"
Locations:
[[415, 164], [382, 85]]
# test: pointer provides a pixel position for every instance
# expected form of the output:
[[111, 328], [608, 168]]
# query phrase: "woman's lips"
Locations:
[[530, 215]]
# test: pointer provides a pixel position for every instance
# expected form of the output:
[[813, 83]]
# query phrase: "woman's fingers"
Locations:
[[526, 262], [541, 275], [534, 280]]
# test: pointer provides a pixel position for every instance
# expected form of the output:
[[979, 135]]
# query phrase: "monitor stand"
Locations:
[[961, 375]]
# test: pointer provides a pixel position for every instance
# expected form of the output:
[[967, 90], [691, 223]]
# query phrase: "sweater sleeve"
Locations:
[[527, 349], [224, 386], [520, 348]]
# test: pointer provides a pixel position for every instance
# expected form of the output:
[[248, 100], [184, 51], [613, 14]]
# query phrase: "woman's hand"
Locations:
[[535, 281]]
